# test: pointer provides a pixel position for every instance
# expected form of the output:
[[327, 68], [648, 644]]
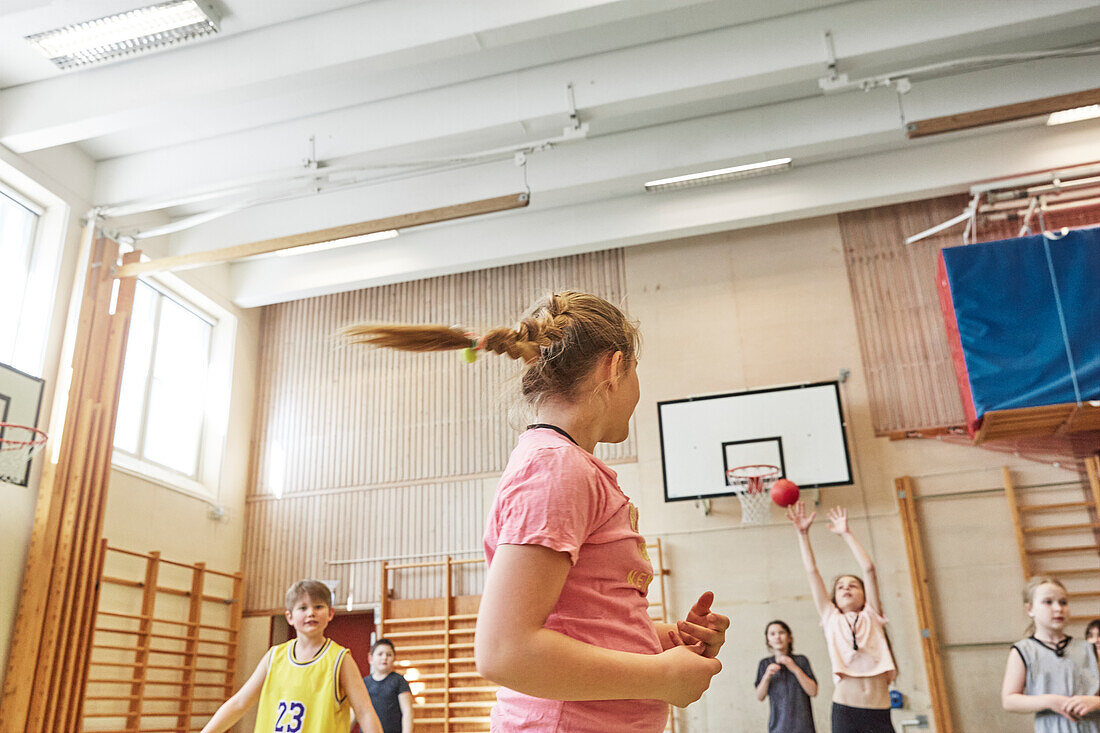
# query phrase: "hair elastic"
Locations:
[[469, 354]]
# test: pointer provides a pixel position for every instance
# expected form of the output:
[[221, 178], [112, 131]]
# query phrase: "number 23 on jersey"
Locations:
[[291, 717]]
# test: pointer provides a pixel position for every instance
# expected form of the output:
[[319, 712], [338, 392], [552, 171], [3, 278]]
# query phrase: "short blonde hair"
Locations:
[[315, 590]]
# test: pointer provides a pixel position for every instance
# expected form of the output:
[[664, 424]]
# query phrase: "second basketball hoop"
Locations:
[[753, 484]]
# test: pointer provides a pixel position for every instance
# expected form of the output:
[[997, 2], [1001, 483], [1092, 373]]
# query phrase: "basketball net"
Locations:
[[18, 444], [753, 486]]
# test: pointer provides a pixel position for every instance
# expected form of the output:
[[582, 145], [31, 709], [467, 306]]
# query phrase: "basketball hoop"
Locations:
[[18, 444], [752, 485]]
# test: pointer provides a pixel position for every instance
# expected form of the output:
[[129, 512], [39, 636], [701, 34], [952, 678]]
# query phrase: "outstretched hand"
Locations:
[[798, 517], [703, 626], [838, 520]]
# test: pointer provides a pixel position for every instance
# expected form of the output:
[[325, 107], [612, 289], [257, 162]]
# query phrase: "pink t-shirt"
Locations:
[[844, 632], [557, 495]]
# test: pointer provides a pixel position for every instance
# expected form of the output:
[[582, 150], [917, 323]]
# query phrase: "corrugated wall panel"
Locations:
[[906, 357], [377, 453], [303, 536]]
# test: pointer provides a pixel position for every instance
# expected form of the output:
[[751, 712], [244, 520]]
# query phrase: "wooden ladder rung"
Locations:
[[1076, 571], [1055, 507], [414, 634], [435, 647], [413, 620], [1084, 594], [453, 675], [1069, 550], [1055, 528]]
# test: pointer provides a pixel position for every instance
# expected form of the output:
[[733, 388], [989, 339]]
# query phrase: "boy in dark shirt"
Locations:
[[389, 692]]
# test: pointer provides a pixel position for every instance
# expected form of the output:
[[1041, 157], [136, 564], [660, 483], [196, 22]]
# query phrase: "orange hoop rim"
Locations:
[[39, 437], [752, 478]]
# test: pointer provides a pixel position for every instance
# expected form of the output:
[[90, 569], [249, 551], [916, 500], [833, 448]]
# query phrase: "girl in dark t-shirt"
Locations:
[[788, 682]]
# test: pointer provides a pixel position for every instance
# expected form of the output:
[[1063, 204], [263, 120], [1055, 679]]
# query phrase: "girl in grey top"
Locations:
[[1051, 674]]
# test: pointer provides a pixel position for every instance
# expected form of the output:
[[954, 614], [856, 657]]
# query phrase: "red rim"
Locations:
[[13, 444], [771, 471], [753, 482]]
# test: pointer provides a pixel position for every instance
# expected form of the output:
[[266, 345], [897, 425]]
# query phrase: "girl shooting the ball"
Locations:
[[863, 666]]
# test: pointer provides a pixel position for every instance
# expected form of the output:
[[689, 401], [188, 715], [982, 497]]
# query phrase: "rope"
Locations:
[[1062, 319]]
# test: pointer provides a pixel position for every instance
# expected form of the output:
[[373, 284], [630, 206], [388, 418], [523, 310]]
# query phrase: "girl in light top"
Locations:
[[1050, 674], [863, 665], [788, 682], [564, 621]]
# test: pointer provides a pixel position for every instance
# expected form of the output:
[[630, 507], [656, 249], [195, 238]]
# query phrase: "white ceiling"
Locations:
[[665, 87]]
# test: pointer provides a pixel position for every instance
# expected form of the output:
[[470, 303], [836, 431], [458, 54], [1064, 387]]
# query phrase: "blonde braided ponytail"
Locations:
[[559, 340]]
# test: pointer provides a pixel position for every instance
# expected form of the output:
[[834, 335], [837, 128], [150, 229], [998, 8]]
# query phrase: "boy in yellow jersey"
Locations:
[[307, 685]]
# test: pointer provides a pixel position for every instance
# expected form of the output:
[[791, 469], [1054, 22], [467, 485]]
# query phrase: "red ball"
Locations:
[[784, 492]]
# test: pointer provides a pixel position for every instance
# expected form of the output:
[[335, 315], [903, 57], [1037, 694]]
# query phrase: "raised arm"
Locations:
[[235, 707], [838, 524], [802, 522], [521, 589], [351, 682]]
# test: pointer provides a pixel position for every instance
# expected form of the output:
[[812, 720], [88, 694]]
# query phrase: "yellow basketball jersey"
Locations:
[[303, 696]]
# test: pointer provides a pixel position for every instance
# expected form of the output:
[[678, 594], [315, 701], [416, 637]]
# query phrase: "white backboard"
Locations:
[[799, 428]]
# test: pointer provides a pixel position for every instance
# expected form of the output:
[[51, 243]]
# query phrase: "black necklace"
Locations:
[[1058, 648], [555, 428]]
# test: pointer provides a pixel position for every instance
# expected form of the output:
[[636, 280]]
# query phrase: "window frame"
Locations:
[[43, 265], [205, 484]]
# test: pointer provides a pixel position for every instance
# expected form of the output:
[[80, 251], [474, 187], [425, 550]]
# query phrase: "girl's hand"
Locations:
[[797, 515], [1059, 704], [703, 625], [838, 520], [687, 673], [1081, 705], [784, 660], [771, 670]]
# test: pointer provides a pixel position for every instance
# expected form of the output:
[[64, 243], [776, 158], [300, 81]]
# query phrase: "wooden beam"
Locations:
[[1003, 113], [1017, 523], [278, 244], [191, 646], [141, 646], [922, 593]]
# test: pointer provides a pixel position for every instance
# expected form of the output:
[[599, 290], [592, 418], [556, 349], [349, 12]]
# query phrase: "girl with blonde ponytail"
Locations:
[[1049, 673], [564, 621]]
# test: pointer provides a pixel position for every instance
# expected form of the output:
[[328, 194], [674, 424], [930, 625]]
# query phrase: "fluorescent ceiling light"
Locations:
[[1074, 115], [333, 244], [722, 174], [122, 34]]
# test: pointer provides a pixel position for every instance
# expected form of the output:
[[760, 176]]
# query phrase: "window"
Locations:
[[173, 406], [23, 310]]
